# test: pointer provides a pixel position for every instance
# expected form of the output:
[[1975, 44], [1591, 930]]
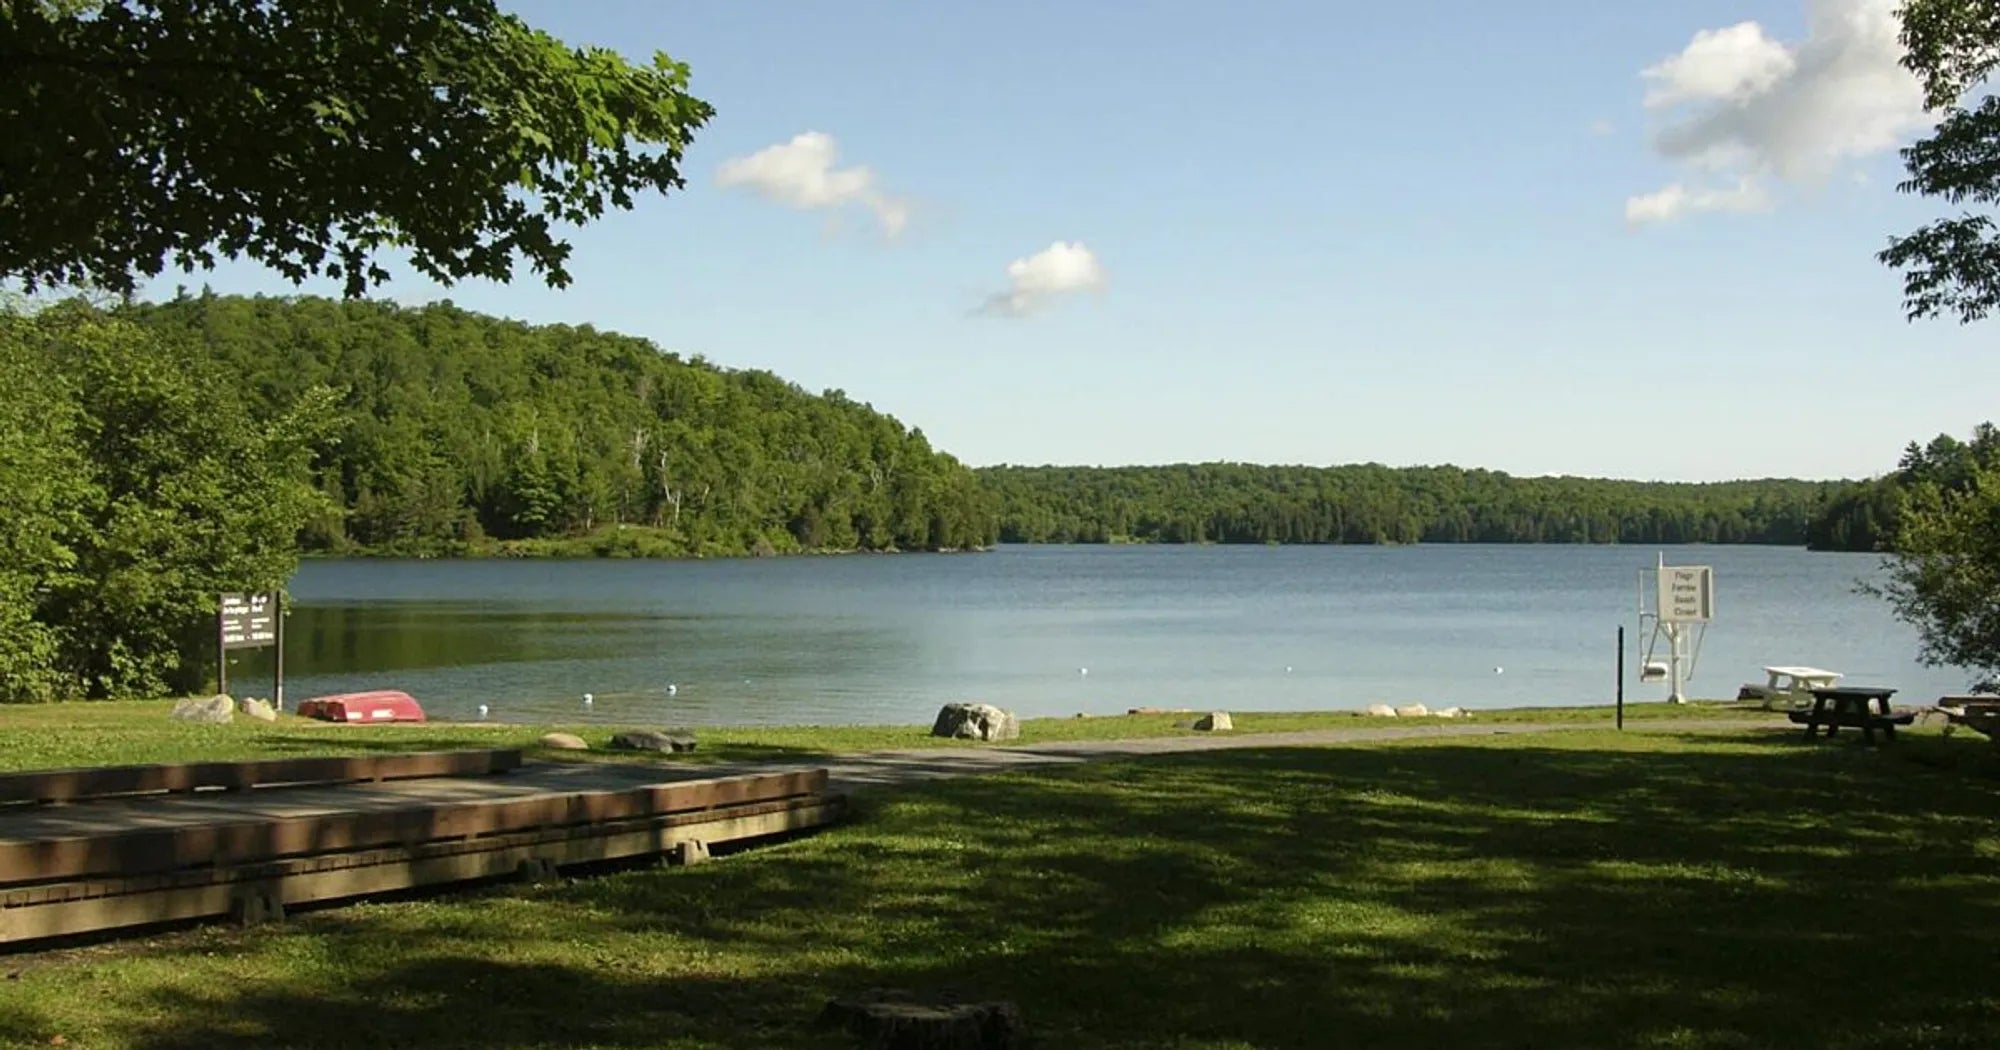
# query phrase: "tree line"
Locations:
[[1370, 503], [1868, 515], [460, 433]]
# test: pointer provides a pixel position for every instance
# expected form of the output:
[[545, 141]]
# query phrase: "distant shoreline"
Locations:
[[633, 543]]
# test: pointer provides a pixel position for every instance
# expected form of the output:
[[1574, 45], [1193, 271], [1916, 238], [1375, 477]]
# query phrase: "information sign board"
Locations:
[[1686, 593], [249, 621]]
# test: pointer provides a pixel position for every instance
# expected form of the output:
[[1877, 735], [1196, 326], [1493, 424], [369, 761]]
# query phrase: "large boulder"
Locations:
[[653, 740], [970, 721], [251, 707], [1413, 711], [216, 709], [1381, 711], [1451, 712], [1214, 722], [563, 742]]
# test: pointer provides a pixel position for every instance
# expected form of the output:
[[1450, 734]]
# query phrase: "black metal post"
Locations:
[[1621, 676], [221, 654], [278, 650]]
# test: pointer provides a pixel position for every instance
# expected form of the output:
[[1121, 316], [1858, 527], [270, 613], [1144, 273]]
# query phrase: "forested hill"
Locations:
[[460, 432], [1238, 503], [461, 429]]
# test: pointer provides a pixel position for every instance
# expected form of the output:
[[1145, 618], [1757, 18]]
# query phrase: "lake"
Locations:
[[1059, 630]]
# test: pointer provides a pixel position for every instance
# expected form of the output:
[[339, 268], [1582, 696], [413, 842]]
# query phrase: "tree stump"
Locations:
[[895, 1020]]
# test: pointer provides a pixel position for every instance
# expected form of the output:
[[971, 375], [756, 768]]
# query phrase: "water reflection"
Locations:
[[530, 664], [406, 635]]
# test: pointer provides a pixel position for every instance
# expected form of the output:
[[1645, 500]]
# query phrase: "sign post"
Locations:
[[251, 621]]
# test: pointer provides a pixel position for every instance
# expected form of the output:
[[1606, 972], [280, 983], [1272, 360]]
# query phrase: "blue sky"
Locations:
[[1310, 232]]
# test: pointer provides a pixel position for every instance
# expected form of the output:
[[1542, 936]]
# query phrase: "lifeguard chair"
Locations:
[[1682, 602]]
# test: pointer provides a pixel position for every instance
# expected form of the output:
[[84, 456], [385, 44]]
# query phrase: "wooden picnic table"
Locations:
[[1853, 707]]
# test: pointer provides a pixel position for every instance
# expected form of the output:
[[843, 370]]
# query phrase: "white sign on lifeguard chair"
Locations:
[[1682, 606]]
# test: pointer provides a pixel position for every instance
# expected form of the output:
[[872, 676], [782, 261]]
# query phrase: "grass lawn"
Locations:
[[1585, 889], [46, 736]]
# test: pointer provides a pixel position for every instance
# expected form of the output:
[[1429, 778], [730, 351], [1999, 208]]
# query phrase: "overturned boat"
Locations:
[[376, 706]]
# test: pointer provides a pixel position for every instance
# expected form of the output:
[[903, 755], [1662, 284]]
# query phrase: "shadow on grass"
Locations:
[[1962, 753], [19, 1022], [1596, 891]]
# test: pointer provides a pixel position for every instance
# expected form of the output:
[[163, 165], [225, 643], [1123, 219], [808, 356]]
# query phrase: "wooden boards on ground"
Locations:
[[73, 785], [255, 865]]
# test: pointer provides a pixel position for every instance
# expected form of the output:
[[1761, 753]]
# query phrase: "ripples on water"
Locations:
[[887, 638]]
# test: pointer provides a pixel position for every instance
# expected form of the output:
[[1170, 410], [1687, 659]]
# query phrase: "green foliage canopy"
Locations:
[[1952, 266], [134, 488], [43, 485], [1944, 572], [311, 135]]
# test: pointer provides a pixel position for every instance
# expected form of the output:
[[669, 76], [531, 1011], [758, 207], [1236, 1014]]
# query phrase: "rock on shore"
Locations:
[[217, 709], [972, 721]]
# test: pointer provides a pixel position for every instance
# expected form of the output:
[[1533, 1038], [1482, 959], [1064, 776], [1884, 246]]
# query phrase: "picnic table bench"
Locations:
[[1853, 707]]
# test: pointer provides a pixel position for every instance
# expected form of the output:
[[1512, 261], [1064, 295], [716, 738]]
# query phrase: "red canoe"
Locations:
[[381, 705]]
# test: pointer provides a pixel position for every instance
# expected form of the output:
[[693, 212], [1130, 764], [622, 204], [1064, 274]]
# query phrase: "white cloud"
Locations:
[[1063, 268], [801, 174], [1746, 107], [1677, 200], [1734, 63]]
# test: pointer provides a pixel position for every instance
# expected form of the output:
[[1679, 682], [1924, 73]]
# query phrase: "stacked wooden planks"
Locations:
[[95, 849], [97, 782], [1980, 711]]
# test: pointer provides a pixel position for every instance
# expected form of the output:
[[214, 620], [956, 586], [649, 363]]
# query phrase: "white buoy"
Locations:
[[1288, 668], [1083, 670], [672, 689], [1499, 670], [482, 712], [588, 699]]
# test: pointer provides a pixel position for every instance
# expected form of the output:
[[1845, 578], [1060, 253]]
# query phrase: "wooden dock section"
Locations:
[[96, 849]]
